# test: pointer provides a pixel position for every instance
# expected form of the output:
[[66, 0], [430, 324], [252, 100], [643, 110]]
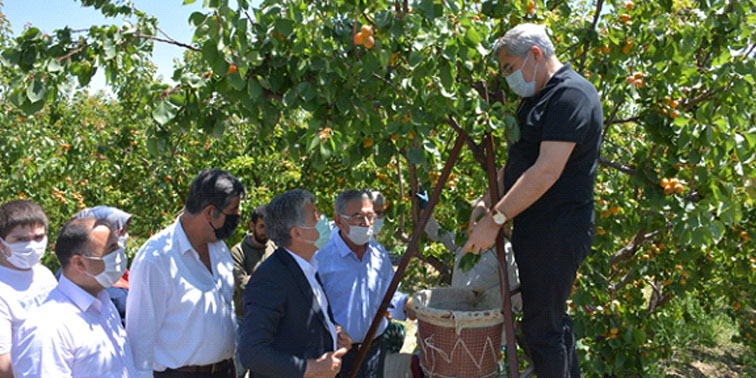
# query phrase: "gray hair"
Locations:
[[378, 199], [342, 201], [285, 212], [519, 40]]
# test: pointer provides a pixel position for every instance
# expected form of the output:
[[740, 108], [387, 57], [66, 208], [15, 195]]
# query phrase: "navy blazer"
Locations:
[[284, 324]]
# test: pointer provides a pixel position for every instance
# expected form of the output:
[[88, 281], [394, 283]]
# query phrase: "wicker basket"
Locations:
[[459, 332]]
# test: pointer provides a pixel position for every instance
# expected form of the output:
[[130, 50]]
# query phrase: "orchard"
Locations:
[[329, 95]]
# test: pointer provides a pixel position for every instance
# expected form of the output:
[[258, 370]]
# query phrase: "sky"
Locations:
[[49, 15]]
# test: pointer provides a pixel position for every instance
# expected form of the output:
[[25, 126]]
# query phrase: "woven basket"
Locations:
[[459, 332]]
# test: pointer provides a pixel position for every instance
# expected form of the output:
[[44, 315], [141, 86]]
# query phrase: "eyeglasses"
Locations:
[[367, 217]]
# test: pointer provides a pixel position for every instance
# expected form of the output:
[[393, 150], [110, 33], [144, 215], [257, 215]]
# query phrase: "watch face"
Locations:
[[499, 218]]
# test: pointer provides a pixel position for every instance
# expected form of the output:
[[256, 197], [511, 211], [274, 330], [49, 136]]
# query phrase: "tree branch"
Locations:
[[596, 15], [614, 288], [477, 150], [620, 167], [610, 121], [169, 41], [628, 251]]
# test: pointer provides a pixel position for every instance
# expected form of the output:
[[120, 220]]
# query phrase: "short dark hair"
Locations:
[[257, 213], [74, 238], [213, 187], [20, 213]]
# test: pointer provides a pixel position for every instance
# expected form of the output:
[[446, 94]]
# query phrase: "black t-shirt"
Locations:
[[566, 109]]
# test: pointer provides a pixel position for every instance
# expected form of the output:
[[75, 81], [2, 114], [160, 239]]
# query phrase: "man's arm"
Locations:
[[5, 366], [533, 183], [240, 273], [145, 311], [41, 350]]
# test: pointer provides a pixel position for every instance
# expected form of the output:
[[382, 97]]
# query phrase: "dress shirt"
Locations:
[[73, 334], [20, 290], [310, 270], [356, 288], [178, 313]]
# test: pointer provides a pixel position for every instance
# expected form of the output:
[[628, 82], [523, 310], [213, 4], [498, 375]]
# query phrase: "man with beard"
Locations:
[[180, 317], [247, 255]]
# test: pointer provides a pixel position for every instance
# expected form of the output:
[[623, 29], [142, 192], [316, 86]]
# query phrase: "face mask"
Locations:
[[122, 240], [115, 265], [228, 228], [360, 235], [324, 232], [517, 82], [378, 225], [26, 255]]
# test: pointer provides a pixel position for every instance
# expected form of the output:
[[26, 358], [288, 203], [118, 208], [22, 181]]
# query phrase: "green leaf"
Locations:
[[164, 112], [236, 81], [284, 26], [416, 156], [36, 90], [472, 38], [186, 2]]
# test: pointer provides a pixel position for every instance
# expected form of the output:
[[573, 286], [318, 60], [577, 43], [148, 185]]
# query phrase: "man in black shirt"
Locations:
[[548, 184]]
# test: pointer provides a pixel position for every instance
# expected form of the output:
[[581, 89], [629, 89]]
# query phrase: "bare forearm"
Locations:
[[527, 189]]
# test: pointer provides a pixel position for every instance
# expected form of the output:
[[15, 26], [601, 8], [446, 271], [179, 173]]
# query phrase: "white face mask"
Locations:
[[378, 225], [26, 255], [360, 235], [122, 240], [115, 265], [517, 82]]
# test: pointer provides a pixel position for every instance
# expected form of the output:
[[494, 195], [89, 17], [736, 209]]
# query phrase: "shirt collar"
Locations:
[[308, 267], [79, 297], [179, 237]]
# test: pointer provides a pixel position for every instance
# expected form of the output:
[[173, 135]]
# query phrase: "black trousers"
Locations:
[[547, 266], [228, 372], [372, 365]]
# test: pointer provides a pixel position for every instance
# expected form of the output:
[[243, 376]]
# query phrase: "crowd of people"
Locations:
[[296, 296]]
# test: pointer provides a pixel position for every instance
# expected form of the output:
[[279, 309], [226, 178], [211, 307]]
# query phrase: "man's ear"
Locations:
[[537, 53], [77, 263], [295, 233], [209, 212]]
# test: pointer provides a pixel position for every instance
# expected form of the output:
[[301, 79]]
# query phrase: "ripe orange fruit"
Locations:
[[368, 142], [744, 235], [630, 80], [624, 17], [614, 209], [674, 182], [679, 188], [530, 7], [369, 42], [366, 30], [627, 47], [674, 114], [231, 69], [668, 189], [358, 38], [629, 5], [664, 182], [638, 82], [638, 75]]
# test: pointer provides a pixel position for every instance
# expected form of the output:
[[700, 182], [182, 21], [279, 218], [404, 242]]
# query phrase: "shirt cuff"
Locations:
[[398, 311]]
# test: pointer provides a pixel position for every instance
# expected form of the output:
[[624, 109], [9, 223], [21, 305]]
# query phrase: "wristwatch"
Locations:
[[499, 218]]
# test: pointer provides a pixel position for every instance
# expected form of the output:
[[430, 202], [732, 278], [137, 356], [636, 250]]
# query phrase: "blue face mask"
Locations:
[[324, 232], [517, 82]]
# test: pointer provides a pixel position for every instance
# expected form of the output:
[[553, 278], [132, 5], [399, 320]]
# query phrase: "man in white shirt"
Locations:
[[179, 312], [356, 272], [24, 283], [77, 332], [289, 330]]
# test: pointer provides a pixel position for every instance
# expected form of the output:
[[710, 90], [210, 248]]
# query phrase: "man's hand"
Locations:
[[411, 315], [482, 235], [327, 366], [344, 340], [478, 210]]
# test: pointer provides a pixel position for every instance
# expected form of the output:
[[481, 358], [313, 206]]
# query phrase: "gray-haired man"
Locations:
[[548, 182], [289, 329]]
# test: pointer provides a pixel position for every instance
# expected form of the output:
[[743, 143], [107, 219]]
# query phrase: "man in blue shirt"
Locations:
[[356, 272]]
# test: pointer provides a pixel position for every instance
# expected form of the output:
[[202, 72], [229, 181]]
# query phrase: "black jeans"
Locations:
[[547, 266], [372, 365], [229, 372]]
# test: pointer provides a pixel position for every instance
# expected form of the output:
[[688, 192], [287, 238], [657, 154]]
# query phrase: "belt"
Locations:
[[212, 368]]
